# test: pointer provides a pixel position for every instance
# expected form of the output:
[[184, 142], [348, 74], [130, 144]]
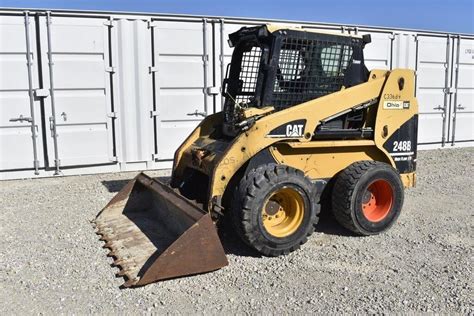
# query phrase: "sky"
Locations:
[[443, 15]]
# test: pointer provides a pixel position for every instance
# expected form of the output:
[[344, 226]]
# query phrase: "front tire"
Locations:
[[367, 197], [274, 209]]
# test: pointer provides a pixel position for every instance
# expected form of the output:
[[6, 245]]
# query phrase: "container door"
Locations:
[[17, 146], [183, 74], [377, 54], [432, 88], [463, 100], [81, 82]]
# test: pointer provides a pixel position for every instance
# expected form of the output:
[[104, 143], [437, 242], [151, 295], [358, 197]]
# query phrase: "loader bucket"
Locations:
[[154, 233]]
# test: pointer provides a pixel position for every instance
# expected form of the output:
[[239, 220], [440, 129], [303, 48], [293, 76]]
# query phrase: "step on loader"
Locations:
[[303, 118]]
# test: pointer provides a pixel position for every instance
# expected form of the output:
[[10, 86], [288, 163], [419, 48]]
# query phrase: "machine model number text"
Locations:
[[402, 145]]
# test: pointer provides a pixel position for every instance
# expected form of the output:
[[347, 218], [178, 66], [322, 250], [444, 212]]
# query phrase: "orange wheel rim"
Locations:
[[377, 200]]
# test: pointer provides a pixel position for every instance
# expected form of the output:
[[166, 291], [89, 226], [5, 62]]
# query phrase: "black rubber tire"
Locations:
[[348, 192], [249, 198]]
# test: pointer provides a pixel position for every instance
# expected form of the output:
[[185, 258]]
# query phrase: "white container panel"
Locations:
[[181, 72], [12, 33], [186, 102], [82, 90], [82, 108], [465, 115], [404, 51], [176, 131], [429, 120], [464, 108], [178, 38], [431, 75], [432, 50], [180, 87], [16, 147], [76, 71], [88, 148], [377, 54], [13, 71], [133, 92], [431, 84], [78, 35], [16, 143]]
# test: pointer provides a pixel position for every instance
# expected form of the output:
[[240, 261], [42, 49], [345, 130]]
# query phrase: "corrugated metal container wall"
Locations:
[[85, 93]]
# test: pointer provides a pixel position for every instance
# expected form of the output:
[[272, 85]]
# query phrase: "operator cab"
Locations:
[[283, 67]]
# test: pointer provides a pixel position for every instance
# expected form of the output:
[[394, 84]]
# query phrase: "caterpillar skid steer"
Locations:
[[303, 117]]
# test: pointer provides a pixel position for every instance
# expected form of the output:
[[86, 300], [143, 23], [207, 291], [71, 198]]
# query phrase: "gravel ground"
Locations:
[[51, 261]]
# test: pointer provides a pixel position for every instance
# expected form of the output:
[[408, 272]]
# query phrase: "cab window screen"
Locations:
[[308, 69], [248, 74]]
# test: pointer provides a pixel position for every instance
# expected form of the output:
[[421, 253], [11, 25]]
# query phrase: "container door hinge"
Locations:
[[450, 90], [155, 157], [113, 159], [109, 22], [213, 90], [152, 69], [153, 114], [152, 24], [110, 69], [41, 93], [112, 114]]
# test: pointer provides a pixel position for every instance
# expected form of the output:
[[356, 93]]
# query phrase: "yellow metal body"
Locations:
[[318, 159]]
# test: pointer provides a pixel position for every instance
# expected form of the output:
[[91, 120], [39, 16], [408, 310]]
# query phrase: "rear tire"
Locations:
[[367, 197], [274, 209]]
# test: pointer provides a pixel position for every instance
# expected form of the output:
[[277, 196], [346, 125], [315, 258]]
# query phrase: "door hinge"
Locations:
[[41, 93], [152, 69], [110, 69], [213, 90], [153, 114], [112, 114], [113, 159], [450, 90], [109, 22], [155, 157], [152, 24]]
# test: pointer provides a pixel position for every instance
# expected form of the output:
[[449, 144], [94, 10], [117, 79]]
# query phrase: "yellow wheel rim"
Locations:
[[283, 212]]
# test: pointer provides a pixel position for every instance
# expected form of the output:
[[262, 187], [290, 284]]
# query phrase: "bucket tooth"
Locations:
[[154, 234], [124, 272], [130, 282], [119, 262], [109, 244]]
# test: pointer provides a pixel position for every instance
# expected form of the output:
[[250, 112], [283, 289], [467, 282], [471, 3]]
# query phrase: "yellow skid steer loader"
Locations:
[[301, 111]]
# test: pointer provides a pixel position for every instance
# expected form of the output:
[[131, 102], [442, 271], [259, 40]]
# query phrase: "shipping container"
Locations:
[[90, 92]]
